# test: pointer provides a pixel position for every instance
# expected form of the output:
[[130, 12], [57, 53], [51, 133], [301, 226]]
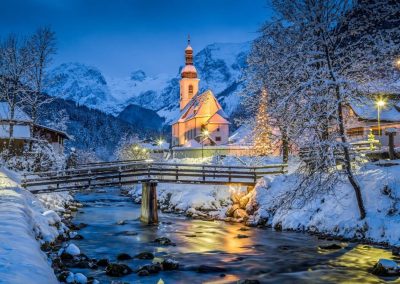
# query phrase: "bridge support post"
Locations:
[[149, 214]]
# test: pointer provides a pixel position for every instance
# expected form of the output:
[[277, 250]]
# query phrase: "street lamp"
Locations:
[[204, 135], [160, 142], [380, 104]]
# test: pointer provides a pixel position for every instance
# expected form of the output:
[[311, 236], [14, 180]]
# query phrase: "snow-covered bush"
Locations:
[[86, 156], [129, 148], [38, 157]]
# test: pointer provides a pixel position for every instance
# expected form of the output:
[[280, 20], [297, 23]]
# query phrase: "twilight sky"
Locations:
[[120, 36]]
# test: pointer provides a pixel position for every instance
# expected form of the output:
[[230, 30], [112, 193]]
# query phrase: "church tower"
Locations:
[[189, 84]]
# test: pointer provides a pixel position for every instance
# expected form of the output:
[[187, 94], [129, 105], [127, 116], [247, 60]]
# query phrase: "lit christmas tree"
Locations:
[[371, 140], [262, 130]]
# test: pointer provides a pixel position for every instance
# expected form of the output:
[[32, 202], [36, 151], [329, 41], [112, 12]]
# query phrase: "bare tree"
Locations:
[[41, 47], [14, 66]]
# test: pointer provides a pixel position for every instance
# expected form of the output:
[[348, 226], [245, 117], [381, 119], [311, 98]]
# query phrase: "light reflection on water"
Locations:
[[271, 257]]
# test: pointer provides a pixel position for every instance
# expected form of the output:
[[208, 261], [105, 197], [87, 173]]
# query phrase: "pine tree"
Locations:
[[262, 130]]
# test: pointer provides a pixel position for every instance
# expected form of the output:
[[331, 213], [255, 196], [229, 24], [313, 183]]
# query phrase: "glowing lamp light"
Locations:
[[380, 103], [398, 63], [205, 132], [144, 150], [136, 148], [160, 142]]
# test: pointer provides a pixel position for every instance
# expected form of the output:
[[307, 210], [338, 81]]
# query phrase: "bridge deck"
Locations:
[[134, 172]]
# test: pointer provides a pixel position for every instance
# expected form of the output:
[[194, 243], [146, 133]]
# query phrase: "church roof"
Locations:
[[188, 69], [191, 110], [218, 118]]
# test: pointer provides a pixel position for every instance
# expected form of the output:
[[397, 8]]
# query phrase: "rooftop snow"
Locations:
[[19, 113]]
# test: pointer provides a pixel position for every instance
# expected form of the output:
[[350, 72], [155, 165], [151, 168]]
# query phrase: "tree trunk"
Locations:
[[285, 147], [347, 161]]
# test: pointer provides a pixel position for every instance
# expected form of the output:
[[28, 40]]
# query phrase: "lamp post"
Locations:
[[204, 135], [380, 103]]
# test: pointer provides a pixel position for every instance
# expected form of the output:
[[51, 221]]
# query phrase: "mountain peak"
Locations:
[[138, 75]]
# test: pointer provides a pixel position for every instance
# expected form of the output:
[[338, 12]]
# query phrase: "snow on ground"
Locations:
[[24, 225], [56, 201], [336, 214], [193, 199]]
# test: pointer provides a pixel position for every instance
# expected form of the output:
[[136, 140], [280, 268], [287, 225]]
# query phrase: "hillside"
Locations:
[[91, 130]]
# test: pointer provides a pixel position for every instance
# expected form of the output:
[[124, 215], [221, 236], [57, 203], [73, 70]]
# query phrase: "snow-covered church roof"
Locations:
[[193, 108], [188, 68]]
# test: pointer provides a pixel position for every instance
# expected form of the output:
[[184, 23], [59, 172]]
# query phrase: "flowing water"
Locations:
[[266, 255]]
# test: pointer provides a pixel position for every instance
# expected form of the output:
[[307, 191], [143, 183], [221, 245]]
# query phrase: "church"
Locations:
[[202, 120]]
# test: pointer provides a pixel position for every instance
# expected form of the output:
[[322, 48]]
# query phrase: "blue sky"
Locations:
[[120, 36]]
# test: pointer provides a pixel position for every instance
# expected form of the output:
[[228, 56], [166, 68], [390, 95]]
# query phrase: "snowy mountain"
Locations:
[[82, 84], [219, 67]]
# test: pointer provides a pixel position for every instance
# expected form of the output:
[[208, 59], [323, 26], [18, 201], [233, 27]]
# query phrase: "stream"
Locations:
[[265, 255]]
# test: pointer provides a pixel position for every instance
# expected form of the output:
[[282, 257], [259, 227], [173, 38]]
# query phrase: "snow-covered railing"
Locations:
[[138, 172]]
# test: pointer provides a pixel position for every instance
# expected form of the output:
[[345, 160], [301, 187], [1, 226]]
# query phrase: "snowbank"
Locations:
[[24, 225], [335, 214], [195, 200], [56, 201]]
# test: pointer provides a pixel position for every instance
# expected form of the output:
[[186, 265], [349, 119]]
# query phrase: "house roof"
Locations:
[[368, 111], [25, 121], [61, 133], [19, 114]]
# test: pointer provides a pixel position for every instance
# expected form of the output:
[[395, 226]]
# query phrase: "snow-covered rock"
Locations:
[[72, 249], [52, 217], [386, 267], [55, 201], [80, 278]]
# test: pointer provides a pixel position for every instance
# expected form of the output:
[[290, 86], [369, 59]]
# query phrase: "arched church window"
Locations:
[[190, 90]]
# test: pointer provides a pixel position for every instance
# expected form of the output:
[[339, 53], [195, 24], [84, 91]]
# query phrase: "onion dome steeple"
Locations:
[[189, 71]]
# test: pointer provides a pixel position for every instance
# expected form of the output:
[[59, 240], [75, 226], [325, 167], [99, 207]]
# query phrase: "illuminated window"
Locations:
[[190, 90]]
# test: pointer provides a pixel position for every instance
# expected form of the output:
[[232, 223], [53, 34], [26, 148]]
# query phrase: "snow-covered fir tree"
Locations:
[[262, 130]]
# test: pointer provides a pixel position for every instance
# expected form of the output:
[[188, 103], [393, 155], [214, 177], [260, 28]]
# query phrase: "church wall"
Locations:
[[219, 132]]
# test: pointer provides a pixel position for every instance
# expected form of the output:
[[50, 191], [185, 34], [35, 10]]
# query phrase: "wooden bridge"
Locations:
[[148, 174]]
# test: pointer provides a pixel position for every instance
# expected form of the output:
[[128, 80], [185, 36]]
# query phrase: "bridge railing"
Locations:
[[130, 173], [110, 163]]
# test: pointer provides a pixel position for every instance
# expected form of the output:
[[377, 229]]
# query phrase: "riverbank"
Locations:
[[25, 225], [333, 214]]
